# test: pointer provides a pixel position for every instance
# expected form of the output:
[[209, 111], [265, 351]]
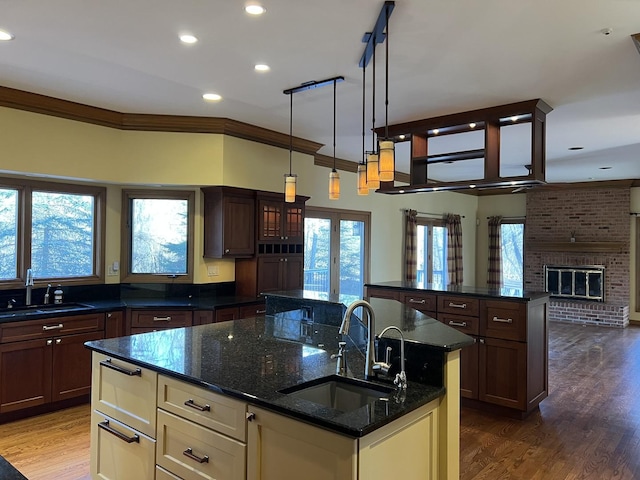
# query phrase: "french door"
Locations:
[[336, 251]]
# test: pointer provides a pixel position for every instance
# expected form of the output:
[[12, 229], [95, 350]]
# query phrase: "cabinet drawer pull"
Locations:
[[502, 320], [260, 312], [162, 319], [457, 324], [423, 301], [189, 453], [457, 305], [105, 426], [46, 328], [132, 373], [190, 403], [250, 416]]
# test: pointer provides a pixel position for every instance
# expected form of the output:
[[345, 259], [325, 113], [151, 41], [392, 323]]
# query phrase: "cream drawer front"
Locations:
[[195, 452], [209, 409], [162, 474], [118, 452], [125, 392]]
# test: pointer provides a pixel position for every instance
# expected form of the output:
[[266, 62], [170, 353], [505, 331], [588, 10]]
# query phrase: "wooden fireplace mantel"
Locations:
[[586, 247]]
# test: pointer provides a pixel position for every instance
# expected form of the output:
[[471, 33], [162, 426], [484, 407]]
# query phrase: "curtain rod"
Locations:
[[634, 213], [521, 217], [439, 215]]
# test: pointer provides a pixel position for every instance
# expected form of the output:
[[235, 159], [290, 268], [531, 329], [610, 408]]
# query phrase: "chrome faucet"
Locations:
[[370, 359], [29, 286], [401, 378], [341, 357]]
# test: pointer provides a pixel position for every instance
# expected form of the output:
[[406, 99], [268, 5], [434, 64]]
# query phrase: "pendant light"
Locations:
[[387, 155], [373, 173], [363, 188], [290, 179], [334, 176]]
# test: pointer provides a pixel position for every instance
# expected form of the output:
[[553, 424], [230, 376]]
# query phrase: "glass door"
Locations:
[[336, 258]]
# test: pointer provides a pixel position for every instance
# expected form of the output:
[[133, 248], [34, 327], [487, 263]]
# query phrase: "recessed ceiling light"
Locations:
[[576, 148], [255, 9], [5, 35], [605, 168], [436, 131], [400, 191], [261, 67], [402, 137], [472, 125], [212, 97], [186, 38], [514, 118], [472, 185]]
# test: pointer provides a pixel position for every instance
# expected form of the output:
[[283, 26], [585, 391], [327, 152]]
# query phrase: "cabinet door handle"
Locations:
[[226, 250], [250, 416], [457, 305], [49, 342], [58, 341], [286, 259], [46, 328], [502, 320], [190, 403], [105, 426], [457, 324], [260, 312], [412, 300], [482, 340], [189, 453], [132, 373], [162, 319]]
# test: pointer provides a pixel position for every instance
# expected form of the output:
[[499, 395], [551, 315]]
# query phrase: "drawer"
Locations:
[[504, 320], [421, 301], [462, 323], [161, 318], [204, 407], [49, 327], [195, 452], [162, 474], [388, 293], [458, 305], [110, 440], [125, 392], [250, 311]]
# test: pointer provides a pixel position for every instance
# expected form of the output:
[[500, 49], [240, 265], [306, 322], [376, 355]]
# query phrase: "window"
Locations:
[[431, 252], [336, 247], [61, 236], [158, 231], [512, 237]]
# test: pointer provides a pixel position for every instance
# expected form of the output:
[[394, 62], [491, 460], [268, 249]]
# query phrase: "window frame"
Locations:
[[128, 195], [512, 221], [430, 223], [25, 189]]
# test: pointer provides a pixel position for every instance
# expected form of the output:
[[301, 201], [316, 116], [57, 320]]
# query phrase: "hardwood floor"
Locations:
[[588, 427]]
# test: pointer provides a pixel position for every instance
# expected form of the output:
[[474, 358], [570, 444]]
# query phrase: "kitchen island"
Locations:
[[176, 403], [506, 370]]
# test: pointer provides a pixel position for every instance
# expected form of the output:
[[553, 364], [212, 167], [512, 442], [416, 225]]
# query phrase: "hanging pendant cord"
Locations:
[[373, 107], [386, 81], [364, 153], [290, 132], [334, 125]]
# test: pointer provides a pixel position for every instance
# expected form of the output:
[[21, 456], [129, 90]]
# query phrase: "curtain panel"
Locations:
[[494, 269], [410, 245], [454, 248]]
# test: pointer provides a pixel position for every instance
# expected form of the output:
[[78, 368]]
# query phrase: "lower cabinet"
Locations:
[[44, 361], [147, 426], [503, 373], [235, 313]]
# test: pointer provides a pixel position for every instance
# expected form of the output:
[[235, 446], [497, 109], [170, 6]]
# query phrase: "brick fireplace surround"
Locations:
[[600, 219]]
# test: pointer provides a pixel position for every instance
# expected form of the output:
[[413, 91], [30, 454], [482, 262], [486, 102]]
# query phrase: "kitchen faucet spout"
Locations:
[[28, 286]]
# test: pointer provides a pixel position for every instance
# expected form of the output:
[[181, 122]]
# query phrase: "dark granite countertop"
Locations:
[[253, 359], [9, 472], [415, 325], [510, 293], [99, 306]]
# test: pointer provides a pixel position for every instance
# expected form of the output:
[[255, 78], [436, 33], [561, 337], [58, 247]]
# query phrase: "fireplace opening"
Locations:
[[581, 282]]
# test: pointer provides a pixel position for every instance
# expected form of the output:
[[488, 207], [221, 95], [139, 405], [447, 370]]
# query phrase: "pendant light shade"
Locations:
[[290, 187], [373, 177], [387, 161], [363, 188], [334, 185]]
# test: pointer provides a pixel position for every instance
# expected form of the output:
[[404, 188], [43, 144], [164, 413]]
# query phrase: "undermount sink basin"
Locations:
[[39, 309], [340, 393]]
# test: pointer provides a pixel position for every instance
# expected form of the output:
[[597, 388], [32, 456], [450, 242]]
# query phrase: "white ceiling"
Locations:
[[446, 56]]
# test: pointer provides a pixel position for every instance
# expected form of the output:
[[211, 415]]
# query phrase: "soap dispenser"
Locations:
[[57, 294]]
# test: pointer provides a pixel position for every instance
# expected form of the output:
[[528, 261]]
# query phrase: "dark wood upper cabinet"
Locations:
[[229, 222], [279, 221]]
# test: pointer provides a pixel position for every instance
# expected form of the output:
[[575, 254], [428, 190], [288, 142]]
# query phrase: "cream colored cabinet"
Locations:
[[406, 448], [201, 434], [123, 420]]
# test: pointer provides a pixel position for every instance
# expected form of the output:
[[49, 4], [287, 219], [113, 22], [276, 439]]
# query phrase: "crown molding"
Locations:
[[55, 107]]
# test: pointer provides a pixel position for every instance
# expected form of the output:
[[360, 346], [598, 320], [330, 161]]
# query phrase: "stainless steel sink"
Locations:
[[40, 309], [340, 393]]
